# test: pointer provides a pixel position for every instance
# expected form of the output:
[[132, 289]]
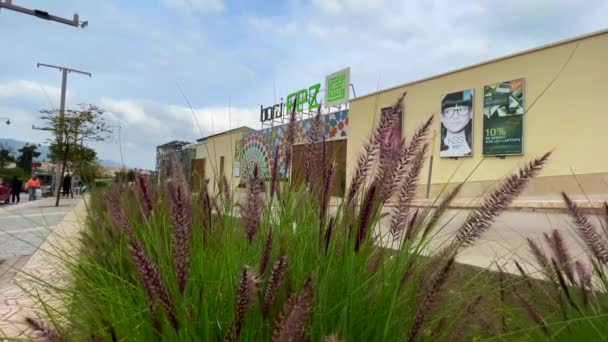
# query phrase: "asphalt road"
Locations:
[[24, 226]]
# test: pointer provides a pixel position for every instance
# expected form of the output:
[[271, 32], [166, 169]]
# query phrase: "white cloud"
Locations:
[[157, 122], [196, 5], [30, 89], [344, 6], [263, 24]]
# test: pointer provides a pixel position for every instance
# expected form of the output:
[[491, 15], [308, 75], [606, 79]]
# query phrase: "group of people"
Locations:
[[66, 186], [33, 185]]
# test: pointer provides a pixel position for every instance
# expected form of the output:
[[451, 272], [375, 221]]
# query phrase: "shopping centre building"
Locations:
[[490, 118]]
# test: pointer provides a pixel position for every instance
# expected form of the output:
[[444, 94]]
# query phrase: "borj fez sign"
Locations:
[[303, 99], [306, 99]]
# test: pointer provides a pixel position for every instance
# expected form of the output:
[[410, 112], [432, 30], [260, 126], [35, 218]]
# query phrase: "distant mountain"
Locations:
[[15, 145], [109, 163]]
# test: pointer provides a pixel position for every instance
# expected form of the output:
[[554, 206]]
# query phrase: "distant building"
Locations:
[[172, 151], [216, 157]]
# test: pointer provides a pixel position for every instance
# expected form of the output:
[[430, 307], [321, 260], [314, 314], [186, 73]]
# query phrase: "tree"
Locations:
[[71, 129], [27, 154], [124, 176], [6, 155], [83, 160]]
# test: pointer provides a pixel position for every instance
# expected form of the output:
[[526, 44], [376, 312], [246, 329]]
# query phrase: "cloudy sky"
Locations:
[[234, 53]]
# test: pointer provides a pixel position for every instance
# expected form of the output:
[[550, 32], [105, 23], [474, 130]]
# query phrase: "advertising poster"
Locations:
[[503, 118], [457, 124], [394, 137]]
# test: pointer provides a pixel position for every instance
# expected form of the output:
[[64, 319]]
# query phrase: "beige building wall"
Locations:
[[566, 112], [212, 149]]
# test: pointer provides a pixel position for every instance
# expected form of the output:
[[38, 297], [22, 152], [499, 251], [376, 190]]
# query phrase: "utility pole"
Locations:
[[122, 159], [8, 4], [64, 80]]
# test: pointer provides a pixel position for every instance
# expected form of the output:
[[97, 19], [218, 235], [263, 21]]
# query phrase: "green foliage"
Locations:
[[124, 176], [8, 174], [27, 154], [6, 156], [77, 154]]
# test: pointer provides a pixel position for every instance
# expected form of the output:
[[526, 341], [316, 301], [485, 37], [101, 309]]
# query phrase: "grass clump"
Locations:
[[288, 265]]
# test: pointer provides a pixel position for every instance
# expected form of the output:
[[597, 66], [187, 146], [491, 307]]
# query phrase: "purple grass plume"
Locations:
[[181, 215], [533, 313], [206, 209], [369, 155], [412, 226], [276, 277], [562, 283], [390, 166], [440, 210], [375, 260], [407, 193], [561, 253], [266, 252], [312, 153], [394, 179], [409, 271], [584, 278], [226, 195], [44, 330], [326, 191], [498, 201], [328, 232], [524, 275], [429, 299], [253, 207], [291, 323], [150, 277], [541, 259], [152, 282], [248, 286], [290, 136], [117, 216], [365, 217], [587, 231], [274, 174], [144, 195]]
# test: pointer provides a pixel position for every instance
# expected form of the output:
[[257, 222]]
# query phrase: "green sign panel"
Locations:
[[336, 87], [503, 118], [304, 99]]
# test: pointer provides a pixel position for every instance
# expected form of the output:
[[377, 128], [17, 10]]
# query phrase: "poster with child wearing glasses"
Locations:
[[457, 124]]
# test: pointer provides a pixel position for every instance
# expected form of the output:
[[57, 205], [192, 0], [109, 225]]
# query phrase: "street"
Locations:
[[24, 226], [505, 241]]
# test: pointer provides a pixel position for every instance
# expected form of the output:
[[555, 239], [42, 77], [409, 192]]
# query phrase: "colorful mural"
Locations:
[[258, 147]]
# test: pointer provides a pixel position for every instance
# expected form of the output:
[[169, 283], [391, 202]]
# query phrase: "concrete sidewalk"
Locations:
[[590, 203], [16, 300]]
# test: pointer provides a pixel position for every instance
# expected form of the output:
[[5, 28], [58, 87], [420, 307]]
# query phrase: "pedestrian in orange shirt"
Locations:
[[32, 185]]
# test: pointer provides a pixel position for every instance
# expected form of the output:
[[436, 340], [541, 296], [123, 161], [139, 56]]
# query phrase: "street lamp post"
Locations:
[[8, 4]]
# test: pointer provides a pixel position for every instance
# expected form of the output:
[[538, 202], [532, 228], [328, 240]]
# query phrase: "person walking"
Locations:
[[16, 185], [79, 187], [32, 185], [67, 186]]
